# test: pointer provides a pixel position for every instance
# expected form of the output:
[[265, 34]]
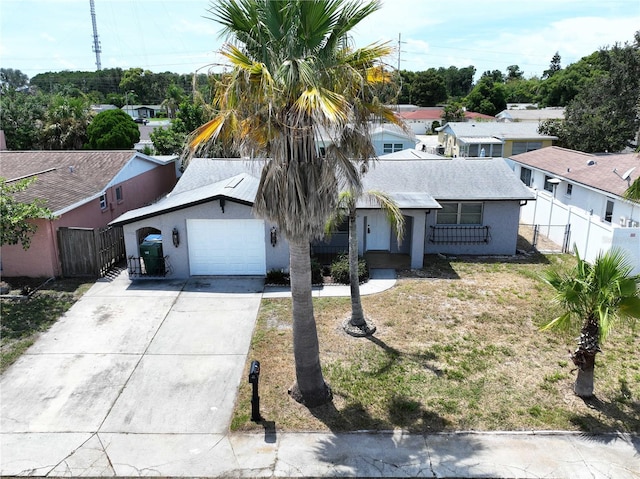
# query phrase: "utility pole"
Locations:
[[96, 42]]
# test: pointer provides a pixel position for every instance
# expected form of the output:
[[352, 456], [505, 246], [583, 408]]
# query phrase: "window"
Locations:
[[569, 190], [391, 147], [119, 197], [460, 214], [103, 201], [525, 175], [608, 213], [524, 146], [548, 186]]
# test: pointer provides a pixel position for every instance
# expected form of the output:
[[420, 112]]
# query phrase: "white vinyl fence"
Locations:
[[587, 231]]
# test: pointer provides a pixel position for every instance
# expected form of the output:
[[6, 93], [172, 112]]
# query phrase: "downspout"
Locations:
[[57, 268]]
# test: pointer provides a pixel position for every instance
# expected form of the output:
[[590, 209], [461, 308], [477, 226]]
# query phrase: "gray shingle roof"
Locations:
[[448, 179], [504, 131]]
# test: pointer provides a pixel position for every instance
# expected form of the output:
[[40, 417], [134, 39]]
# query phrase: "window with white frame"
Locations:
[[103, 201], [569, 190], [391, 147], [459, 214]]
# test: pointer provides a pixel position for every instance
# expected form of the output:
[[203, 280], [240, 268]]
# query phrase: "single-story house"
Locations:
[[142, 111], [585, 192], [531, 114], [207, 226], [421, 120], [491, 139], [83, 189]]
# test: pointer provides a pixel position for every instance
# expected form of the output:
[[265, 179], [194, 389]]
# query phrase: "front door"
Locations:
[[378, 232]]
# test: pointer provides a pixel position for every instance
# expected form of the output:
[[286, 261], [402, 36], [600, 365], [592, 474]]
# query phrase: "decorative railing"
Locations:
[[158, 267], [459, 234]]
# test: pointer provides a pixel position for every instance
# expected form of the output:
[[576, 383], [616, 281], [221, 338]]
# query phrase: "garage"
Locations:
[[226, 247]]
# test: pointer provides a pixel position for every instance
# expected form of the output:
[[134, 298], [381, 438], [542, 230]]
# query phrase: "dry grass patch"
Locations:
[[457, 348]]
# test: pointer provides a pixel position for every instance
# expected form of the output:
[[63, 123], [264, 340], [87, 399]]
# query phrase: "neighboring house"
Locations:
[[532, 114], [142, 111], [207, 225], [385, 138], [585, 192], [421, 120], [102, 107], [85, 189], [462, 139]]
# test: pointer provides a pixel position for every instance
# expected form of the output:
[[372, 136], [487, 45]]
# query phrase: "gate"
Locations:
[[90, 252]]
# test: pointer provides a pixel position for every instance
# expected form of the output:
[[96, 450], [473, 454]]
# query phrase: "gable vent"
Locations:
[[591, 162]]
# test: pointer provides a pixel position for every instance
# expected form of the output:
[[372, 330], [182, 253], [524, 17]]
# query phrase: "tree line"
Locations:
[[600, 92]]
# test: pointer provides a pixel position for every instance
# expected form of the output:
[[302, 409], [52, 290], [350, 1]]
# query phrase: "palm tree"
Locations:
[[294, 77], [357, 324], [595, 297]]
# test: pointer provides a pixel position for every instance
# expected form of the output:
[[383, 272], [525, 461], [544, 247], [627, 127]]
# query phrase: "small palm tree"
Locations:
[[293, 78], [357, 324], [594, 296]]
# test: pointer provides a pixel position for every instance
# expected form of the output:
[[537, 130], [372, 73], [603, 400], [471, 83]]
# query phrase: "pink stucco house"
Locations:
[[85, 189]]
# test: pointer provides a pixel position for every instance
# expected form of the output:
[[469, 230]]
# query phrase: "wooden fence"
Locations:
[[90, 252]]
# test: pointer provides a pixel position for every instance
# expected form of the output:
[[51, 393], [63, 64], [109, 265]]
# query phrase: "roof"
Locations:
[[479, 140], [410, 154], [602, 172], [435, 113], [66, 178], [534, 114], [504, 131], [414, 184], [448, 179], [241, 188]]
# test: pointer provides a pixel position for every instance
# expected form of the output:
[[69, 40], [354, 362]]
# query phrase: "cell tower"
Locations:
[[96, 42]]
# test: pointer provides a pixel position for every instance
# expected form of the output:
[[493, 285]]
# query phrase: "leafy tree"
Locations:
[[21, 118], [594, 298], [458, 81], [514, 73], [521, 91], [174, 96], [554, 127], [357, 324], [487, 97], [554, 66], [453, 112], [65, 123], [10, 78], [604, 116], [406, 80], [428, 88], [273, 103], [495, 75], [112, 130], [16, 225]]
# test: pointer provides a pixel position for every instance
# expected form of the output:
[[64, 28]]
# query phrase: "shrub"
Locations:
[[340, 269], [316, 271], [277, 276]]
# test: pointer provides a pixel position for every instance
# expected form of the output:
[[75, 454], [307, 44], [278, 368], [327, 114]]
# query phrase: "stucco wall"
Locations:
[[502, 217], [40, 260], [276, 257]]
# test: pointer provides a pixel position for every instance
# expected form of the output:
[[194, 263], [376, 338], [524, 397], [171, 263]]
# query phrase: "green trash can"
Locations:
[[151, 254]]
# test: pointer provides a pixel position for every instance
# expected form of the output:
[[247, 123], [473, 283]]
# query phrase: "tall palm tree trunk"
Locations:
[[357, 313], [310, 388], [585, 358]]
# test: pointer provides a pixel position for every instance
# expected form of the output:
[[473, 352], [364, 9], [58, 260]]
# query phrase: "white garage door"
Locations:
[[225, 247]]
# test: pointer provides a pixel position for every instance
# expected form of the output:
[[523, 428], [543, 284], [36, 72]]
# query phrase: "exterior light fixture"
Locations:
[[175, 236], [274, 236]]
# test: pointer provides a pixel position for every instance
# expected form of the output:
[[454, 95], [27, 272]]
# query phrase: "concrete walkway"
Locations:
[[140, 379]]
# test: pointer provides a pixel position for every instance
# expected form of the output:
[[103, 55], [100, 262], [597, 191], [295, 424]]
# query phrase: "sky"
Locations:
[[38, 36]]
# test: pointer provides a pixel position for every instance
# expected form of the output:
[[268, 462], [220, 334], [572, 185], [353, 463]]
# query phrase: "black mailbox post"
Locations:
[[254, 377]]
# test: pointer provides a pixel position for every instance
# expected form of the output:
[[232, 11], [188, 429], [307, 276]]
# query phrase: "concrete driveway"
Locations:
[[129, 367]]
